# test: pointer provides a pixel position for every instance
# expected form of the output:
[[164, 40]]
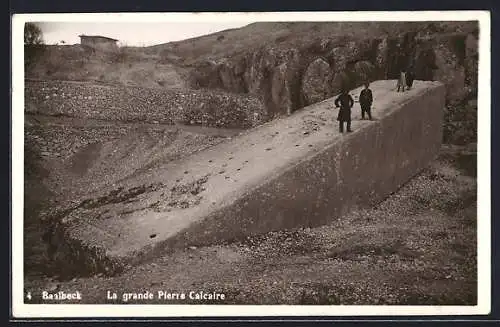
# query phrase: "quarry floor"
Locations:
[[416, 247]]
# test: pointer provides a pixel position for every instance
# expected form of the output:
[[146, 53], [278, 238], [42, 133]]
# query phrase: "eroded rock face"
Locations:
[[425, 61], [315, 83], [271, 73], [260, 65], [364, 71], [381, 57], [289, 78], [281, 90], [231, 75], [450, 69], [470, 62], [343, 55], [283, 82]]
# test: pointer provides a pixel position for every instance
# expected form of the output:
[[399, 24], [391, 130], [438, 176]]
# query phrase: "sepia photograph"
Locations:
[[287, 163]]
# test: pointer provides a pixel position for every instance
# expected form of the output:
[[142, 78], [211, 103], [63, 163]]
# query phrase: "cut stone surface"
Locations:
[[297, 171]]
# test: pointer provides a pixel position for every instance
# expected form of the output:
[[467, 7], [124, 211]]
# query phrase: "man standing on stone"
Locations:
[[365, 101], [345, 102], [402, 81]]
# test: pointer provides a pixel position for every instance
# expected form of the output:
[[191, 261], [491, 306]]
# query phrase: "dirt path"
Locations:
[[54, 121]]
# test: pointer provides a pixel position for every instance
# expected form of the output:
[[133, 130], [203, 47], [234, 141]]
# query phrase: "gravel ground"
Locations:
[[138, 104], [416, 247]]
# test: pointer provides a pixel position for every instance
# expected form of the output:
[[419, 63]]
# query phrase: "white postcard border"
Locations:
[[21, 310]]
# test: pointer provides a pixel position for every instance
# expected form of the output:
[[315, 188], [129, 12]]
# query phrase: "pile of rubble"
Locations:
[[134, 104]]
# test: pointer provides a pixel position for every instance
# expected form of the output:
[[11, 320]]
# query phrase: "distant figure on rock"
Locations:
[[365, 101], [345, 102], [410, 77], [402, 81]]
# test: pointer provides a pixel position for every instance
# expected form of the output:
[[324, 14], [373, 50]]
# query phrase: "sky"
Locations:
[[132, 34], [145, 29]]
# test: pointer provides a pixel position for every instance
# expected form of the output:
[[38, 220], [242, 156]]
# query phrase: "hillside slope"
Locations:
[[292, 64], [126, 67], [292, 34]]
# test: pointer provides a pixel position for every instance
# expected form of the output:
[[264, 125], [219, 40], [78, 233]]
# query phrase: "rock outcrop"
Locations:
[[315, 83], [289, 78], [470, 61]]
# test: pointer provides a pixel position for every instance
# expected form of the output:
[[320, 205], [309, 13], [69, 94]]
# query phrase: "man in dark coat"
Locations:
[[365, 101], [402, 81], [345, 102], [410, 77]]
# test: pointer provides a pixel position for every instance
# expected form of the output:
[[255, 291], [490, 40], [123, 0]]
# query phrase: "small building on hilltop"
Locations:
[[99, 42]]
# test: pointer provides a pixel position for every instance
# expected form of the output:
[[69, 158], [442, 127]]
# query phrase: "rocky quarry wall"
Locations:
[[289, 78], [195, 107]]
